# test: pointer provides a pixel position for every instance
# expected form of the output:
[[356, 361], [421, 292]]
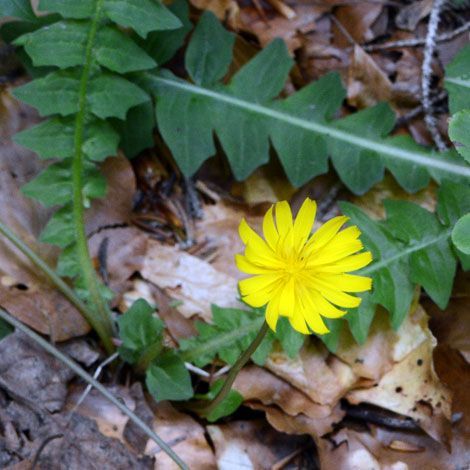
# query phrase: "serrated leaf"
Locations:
[[168, 379], [459, 131], [60, 229], [54, 184], [68, 264], [162, 46], [461, 234], [56, 93], [360, 318], [229, 405], [67, 38], [69, 8], [52, 138], [432, 262], [111, 96], [453, 201], [141, 15], [457, 81], [20, 9], [207, 60], [244, 117], [290, 339], [138, 327], [55, 139], [136, 132]]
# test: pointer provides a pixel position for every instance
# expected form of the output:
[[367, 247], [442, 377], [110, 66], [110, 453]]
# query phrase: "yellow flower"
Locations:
[[299, 276]]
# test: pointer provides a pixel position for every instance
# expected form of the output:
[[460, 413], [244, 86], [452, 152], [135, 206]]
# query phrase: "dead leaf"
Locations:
[[189, 279], [250, 445], [225, 10], [410, 15], [321, 376], [367, 83]]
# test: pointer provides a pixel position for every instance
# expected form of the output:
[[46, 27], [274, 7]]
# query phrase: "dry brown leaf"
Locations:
[[187, 278], [367, 83], [256, 383], [321, 376], [225, 10], [357, 21], [277, 26], [412, 388], [410, 15], [250, 445]]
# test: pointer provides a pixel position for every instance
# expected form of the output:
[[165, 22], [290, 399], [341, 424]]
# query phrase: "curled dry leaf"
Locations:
[[412, 388], [367, 83], [250, 445], [188, 278], [225, 10]]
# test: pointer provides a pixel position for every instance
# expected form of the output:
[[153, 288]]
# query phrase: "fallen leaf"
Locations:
[[367, 83], [410, 15], [225, 10], [187, 278]]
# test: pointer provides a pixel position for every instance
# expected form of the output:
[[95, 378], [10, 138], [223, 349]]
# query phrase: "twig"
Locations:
[[85, 376], [417, 41], [41, 448], [343, 29], [426, 72]]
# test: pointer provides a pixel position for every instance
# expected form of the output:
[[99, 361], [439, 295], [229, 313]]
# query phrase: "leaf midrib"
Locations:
[[417, 158], [408, 251]]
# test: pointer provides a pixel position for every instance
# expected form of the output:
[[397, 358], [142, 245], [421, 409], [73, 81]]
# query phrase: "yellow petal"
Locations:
[[269, 229], [348, 282], [257, 283], [258, 299], [324, 234], [315, 322], [283, 218], [272, 312], [287, 299], [248, 267], [325, 308], [304, 222], [349, 263], [262, 256], [336, 296], [297, 322]]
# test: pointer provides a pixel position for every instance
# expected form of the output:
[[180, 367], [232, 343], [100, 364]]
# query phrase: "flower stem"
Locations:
[[102, 316], [88, 378], [56, 280], [241, 361]]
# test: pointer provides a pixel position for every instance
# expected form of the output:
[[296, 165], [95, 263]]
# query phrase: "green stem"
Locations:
[[50, 273], [103, 315], [232, 375], [148, 356], [87, 377]]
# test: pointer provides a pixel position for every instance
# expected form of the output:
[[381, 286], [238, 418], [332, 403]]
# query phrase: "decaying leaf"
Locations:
[[187, 278]]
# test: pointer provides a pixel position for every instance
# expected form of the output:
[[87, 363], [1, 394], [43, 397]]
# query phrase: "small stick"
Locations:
[[283, 9]]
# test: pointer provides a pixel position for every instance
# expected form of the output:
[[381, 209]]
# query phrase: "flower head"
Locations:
[[301, 276]]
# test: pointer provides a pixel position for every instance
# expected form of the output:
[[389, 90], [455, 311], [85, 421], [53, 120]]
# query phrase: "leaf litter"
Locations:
[[307, 395]]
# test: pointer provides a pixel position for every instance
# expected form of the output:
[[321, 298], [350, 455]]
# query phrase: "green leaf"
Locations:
[[229, 405], [67, 38], [459, 130], [69, 8], [141, 15], [457, 81], [138, 327], [207, 60], [162, 46], [431, 260], [20, 9], [243, 112], [55, 139], [54, 184], [60, 229], [111, 96], [461, 234], [168, 379], [68, 264], [290, 339], [56, 93], [5, 329], [52, 138], [136, 132]]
